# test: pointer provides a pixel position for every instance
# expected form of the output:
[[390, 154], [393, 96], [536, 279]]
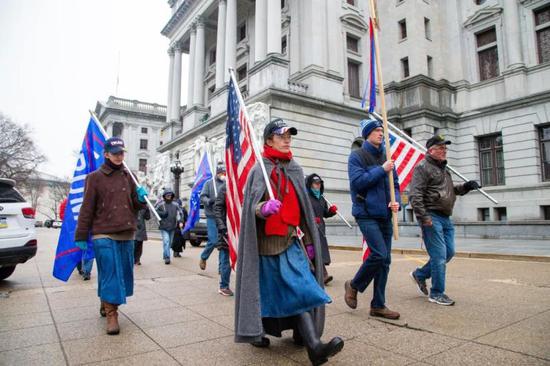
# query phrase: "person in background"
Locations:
[[220, 213], [321, 210], [169, 212], [141, 234]]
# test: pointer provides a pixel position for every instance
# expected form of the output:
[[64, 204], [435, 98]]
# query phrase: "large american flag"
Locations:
[[405, 156], [239, 159]]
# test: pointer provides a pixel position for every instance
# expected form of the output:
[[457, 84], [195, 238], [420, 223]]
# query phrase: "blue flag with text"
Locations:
[[203, 175]]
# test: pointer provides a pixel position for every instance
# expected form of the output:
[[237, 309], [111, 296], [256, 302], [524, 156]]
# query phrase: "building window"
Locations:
[[542, 28], [487, 54], [282, 4], [353, 79], [479, 2], [491, 160], [544, 137], [500, 213], [212, 56], [430, 65], [402, 29], [405, 67], [408, 131], [483, 214], [545, 212], [283, 45], [351, 2], [241, 32], [427, 28], [117, 129], [352, 43], [144, 130], [143, 165], [143, 144], [241, 73], [211, 91]]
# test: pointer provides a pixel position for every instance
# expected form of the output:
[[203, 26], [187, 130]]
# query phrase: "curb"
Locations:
[[474, 255]]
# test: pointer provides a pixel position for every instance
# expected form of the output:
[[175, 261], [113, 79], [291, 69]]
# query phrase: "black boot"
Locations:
[[263, 343], [297, 337], [317, 351]]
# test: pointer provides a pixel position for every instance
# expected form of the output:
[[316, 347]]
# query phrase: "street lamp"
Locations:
[[177, 169]]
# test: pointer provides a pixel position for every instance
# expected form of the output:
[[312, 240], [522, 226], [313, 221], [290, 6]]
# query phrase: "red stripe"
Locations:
[[408, 178], [397, 151], [405, 161]]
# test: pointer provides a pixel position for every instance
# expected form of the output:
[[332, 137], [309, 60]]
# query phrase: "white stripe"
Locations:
[[401, 156], [76, 178], [409, 166], [77, 200], [76, 209], [76, 190], [244, 161]]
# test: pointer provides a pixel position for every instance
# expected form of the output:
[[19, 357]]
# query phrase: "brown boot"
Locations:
[[102, 310], [384, 313], [350, 297], [112, 319]]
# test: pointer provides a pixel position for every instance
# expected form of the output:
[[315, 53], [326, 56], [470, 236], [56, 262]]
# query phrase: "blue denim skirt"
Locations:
[[287, 286], [115, 269]]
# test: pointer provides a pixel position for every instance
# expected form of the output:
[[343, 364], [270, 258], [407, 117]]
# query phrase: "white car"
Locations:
[[17, 234]]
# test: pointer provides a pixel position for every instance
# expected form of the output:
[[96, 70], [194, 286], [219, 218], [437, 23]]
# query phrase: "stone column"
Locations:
[[199, 64], [274, 26], [170, 82], [220, 45], [231, 37], [513, 37], [260, 30], [176, 84], [191, 77]]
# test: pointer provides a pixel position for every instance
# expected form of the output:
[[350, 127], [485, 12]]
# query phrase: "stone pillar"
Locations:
[[199, 64], [191, 77], [260, 30], [513, 37], [170, 82], [220, 45], [274, 27], [231, 37], [176, 84]]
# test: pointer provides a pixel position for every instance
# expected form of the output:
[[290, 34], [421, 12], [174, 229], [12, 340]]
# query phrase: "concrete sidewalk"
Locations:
[[176, 317]]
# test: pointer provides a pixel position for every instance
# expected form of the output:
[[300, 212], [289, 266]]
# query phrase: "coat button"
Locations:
[[123, 189], [114, 207], [129, 223], [125, 206]]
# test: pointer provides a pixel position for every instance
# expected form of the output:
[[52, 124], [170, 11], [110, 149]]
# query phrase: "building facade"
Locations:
[[476, 71], [139, 124]]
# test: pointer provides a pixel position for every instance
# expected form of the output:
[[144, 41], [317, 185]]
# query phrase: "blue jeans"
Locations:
[[115, 269], [378, 234], [225, 268], [212, 238], [87, 265], [440, 244], [167, 237]]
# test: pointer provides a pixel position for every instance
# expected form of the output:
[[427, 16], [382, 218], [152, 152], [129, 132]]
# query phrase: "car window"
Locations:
[[9, 194]]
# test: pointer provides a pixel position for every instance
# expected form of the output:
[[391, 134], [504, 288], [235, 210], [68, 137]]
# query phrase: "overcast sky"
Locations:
[[59, 57]]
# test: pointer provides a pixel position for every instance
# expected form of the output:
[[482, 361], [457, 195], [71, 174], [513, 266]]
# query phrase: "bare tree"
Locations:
[[58, 190], [19, 155], [33, 188]]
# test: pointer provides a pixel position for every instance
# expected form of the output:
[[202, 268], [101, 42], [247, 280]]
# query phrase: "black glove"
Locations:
[[471, 185], [222, 233]]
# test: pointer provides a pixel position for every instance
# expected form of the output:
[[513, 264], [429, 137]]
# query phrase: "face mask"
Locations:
[[316, 192], [221, 177]]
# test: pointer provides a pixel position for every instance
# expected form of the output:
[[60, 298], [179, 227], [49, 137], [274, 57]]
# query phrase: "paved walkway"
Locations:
[[176, 317]]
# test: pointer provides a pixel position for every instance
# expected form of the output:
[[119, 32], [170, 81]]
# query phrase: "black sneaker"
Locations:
[[167, 261], [442, 300], [421, 285]]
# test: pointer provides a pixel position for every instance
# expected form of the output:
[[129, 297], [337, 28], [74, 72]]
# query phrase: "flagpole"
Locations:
[[100, 126], [211, 164], [255, 146], [339, 214], [384, 115], [424, 150]]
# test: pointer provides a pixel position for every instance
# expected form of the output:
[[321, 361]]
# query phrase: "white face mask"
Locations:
[[221, 177]]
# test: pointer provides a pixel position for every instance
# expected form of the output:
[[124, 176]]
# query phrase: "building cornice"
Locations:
[[178, 16]]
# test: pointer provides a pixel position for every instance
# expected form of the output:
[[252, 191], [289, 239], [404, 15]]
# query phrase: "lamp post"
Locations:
[[177, 169]]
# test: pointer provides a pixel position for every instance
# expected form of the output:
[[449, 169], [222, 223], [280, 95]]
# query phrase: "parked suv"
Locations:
[[17, 234], [199, 232]]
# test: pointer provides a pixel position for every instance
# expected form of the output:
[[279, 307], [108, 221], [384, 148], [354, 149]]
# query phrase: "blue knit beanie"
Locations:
[[368, 125]]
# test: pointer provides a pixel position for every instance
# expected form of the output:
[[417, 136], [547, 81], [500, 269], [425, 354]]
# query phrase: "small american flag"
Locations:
[[239, 159]]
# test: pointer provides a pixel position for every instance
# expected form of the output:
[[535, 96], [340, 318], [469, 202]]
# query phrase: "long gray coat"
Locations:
[[248, 321]]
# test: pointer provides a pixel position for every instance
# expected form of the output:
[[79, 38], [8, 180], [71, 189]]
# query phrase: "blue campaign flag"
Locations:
[[203, 175], [91, 157], [370, 87]]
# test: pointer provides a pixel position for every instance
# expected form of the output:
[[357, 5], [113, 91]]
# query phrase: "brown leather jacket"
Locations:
[[110, 204], [432, 189]]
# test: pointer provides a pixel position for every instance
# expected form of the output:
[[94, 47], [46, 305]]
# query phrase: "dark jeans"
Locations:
[[138, 250], [378, 234]]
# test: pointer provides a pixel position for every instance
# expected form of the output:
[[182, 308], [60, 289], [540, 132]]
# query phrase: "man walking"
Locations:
[[370, 193], [208, 197], [169, 212], [111, 202], [432, 197], [220, 211]]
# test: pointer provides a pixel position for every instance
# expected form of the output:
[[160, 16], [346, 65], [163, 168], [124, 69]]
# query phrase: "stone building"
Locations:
[[477, 71], [139, 124]]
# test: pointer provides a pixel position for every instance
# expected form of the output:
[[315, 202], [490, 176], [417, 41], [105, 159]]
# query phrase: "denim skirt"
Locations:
[[115, 269], [287, 286]]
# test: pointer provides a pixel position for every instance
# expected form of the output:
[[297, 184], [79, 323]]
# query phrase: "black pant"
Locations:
[[138, 250]]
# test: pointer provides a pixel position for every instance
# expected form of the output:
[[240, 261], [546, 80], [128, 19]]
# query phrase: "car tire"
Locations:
[[5, 272], [195, 242]]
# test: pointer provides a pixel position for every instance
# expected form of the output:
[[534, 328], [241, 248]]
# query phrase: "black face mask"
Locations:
[[112, 165]]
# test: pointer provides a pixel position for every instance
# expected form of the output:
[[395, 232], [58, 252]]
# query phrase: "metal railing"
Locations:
[[136, 105]]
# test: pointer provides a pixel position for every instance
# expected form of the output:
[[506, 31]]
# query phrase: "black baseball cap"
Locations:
[[114, 145], [437, 140], [278, 127]]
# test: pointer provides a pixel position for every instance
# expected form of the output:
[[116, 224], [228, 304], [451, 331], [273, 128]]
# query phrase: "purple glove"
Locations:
[[310, 251], [271, 207]]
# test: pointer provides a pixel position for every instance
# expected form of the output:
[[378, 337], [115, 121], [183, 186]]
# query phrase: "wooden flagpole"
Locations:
[[374, 17]]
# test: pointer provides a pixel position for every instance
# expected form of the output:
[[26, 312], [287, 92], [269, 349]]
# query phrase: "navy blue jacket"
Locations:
[[369, 185]]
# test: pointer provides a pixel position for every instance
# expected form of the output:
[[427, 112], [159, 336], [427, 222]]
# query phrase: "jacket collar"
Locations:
[[107, 170], [373, 149], [439, 164]]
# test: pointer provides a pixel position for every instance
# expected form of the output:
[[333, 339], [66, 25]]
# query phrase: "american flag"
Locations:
[[239, 159], [405, 156]]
